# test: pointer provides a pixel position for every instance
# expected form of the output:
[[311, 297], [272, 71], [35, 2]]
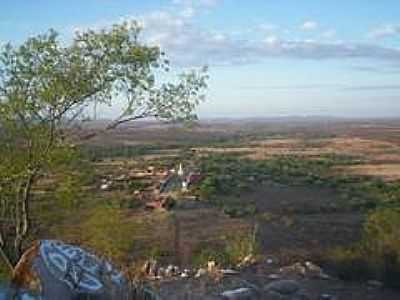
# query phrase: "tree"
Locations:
[[47, 86]]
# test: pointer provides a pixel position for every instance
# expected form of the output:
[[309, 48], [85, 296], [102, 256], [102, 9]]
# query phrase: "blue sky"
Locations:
[[266, 58]]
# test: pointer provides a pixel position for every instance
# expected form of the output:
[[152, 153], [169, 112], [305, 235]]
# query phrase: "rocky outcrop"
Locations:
[[55, 270]]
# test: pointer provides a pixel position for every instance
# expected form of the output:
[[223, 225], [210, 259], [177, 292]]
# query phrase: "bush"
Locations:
[[4, 271], [377, 255], [239, 246], [239, 211], [109, 233], [382, 232], [206, 253], [235, 248], [208, 188]]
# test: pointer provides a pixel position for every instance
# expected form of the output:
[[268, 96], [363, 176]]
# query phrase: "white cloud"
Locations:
[[267, 27], [188, 12], [309, 26], [271, 40], [329, 34], [188, 44], [385, 31]]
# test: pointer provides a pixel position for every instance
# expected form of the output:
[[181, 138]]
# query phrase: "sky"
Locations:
[[266, 57]]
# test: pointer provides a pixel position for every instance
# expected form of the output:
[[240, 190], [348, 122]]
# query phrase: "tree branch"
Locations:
[[118, 122]]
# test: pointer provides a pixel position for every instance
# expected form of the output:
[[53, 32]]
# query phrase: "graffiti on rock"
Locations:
[[80, 270]]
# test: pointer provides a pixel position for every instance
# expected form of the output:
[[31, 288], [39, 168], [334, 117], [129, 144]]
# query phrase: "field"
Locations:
[[291, 190]]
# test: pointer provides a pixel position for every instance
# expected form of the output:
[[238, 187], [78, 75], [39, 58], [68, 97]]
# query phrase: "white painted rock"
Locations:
[[64, 272]]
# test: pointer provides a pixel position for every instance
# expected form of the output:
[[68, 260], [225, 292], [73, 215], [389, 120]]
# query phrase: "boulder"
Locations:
[[229, 272], [55, 270], [327, 297], [239, 294], [200, 273], [375, 283], [283, 287]]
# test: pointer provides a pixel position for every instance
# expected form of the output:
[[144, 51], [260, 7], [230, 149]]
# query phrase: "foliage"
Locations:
[[232, 175], [98, 152], [238, 210], [382, 231], [377, 255], [69, 192], [108, 232], [137, 185], [239, 246], [234, 249], [208, 187], [208, 253], [4, 272]]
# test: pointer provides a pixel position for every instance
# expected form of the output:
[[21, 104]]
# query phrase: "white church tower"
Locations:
[[180, 170]]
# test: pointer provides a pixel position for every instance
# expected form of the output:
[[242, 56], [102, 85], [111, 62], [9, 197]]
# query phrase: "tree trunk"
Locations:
[[22, 213]]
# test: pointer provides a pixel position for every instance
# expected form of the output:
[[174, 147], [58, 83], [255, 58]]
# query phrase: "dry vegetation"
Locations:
[[308, 187]]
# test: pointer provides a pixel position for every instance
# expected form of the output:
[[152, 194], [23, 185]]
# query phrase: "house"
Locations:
[[193, 178]]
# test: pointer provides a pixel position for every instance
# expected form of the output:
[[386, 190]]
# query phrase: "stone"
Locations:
[[271, 295], [327, 297], [161, 272], [312, 270], [7, 293], [229, 272], [24, 275], [171, 271], [211, 266], [274, 276], [239, 294], [248, 260], [185, 273], [324, 276], [60, 271], [295, 269], [312, 267], [105, 186], [283, 287], [375, 283], [153, 268], [300, 296], [200, 273]]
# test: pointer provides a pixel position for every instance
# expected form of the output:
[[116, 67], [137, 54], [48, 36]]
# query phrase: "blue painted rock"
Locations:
[[55, 270]]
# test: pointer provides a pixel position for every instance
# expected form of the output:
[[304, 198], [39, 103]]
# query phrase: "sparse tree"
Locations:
[[47, 85]]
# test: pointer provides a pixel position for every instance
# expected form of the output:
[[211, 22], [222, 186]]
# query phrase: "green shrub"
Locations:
[[232, 251], [239, 211], [377, 255], [4, 272], [239, 246], [136, 185], [205, 253], [208, 187], [109, 233]]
